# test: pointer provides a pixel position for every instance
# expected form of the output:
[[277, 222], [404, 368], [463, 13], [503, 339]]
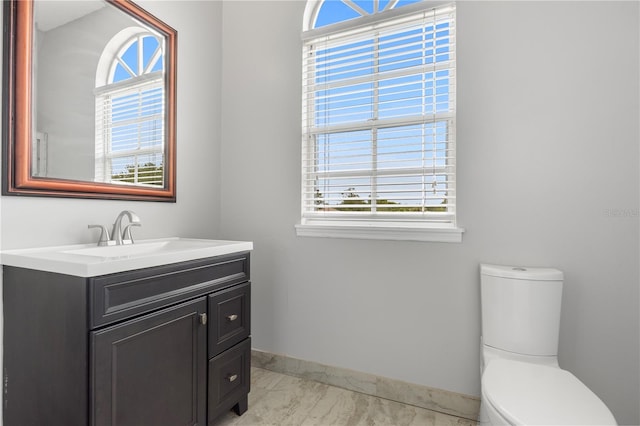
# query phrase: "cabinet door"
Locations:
[[151, 371]]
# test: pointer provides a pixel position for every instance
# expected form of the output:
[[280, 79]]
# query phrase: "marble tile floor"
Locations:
[[278, 399]]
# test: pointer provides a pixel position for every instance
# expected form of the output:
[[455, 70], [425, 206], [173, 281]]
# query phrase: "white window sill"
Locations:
[[380, 231]]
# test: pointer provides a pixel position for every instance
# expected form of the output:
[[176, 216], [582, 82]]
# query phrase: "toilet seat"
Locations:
[[533, 394]]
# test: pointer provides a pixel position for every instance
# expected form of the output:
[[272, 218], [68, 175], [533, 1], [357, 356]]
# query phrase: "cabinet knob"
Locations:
[[232, 317], [232, 377], [203, 319]]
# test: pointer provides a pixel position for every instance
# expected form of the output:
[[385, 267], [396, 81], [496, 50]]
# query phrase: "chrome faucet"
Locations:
[[124, 237], [104, 240]]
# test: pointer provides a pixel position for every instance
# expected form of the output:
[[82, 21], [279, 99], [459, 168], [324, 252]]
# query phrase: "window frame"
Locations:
[[417, 227]]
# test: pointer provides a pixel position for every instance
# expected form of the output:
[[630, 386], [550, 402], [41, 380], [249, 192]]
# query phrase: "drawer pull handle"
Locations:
[[232, 378], [203, 319], [232, 317]]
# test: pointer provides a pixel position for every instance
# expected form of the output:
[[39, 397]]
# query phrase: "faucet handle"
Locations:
[[104, 235], [127, 238]]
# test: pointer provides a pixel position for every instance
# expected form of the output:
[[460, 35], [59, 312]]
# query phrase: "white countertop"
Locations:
[[89, 260]]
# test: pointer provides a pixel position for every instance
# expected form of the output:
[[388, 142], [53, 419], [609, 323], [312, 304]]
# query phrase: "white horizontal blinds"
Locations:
[[379, 120], [131, 119]]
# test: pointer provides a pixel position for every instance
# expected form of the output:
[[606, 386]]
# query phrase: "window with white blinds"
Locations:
[[130, 115], [379, 123]]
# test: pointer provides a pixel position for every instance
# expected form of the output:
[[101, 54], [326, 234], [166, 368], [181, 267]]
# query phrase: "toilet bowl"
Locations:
[[522, 383], [519, 393]]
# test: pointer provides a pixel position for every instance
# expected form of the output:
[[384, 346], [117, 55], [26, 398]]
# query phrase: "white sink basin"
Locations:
[[90, 260], [146, 248]]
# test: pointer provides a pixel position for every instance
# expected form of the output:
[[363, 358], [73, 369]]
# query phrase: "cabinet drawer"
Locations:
[[230, 314], [123, 295], [229, 378]]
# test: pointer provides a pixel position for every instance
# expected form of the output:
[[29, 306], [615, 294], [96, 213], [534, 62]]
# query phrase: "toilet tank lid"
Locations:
[[521, 273]]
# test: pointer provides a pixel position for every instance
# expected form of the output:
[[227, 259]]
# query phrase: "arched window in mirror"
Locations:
[[130, 99]]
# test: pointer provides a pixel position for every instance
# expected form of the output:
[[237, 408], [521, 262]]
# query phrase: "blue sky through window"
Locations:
[[333, 11], [130, 57]]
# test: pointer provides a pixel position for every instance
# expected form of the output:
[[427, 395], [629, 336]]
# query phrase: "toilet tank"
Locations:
[[521, 309]]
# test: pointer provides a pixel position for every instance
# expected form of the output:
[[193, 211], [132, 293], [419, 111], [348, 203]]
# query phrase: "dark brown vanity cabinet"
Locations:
[[161, 346]]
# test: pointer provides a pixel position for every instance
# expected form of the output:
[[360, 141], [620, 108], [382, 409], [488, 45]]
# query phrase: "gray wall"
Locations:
[[548, 107]]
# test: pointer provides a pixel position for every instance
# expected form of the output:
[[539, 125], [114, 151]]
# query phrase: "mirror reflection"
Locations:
[[98, 95]]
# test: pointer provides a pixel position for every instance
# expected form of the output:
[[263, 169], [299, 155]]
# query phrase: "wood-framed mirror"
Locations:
[[89, 101]]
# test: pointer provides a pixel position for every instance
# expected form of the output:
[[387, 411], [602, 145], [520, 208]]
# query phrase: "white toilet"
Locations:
[[522, 383]]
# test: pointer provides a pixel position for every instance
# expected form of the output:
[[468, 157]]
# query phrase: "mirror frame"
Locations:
[[17, 117]]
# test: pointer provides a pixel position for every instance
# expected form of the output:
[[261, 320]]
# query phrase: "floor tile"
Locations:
[[277, 399]]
